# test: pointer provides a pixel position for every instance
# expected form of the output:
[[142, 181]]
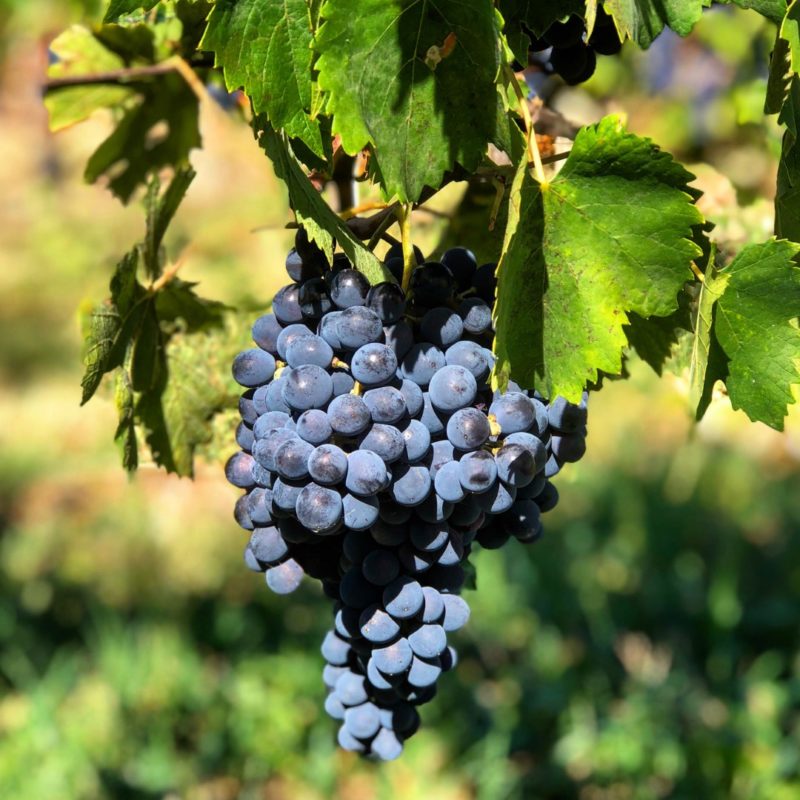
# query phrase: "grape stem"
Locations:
[[534, 156], [409, 260]]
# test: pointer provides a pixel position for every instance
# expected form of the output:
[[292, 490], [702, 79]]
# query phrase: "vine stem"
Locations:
[[534, 156], [409, 262], [360, 209]]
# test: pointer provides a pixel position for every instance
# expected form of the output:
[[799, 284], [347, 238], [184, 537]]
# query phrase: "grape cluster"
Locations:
[[374, 455], [566, 50]]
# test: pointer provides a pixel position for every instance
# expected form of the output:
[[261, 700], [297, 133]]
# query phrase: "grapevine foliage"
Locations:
[[603, 253]]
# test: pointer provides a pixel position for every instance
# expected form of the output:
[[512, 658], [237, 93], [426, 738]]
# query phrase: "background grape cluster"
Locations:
[[565, 48], [375, 455]]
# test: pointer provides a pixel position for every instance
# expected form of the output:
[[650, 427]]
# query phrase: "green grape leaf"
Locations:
[[780, 76], [535, 15], [756, 324], [159, 213], [787, 196], [414, 79], [313, 213], [264, 47], [655, 339], [790, 32], [80, 53], [178, 302], [177, 415], [116, 8], [125, 434], [109, 328], [773, 10], [159, 130], [643, 20], [610, 234]]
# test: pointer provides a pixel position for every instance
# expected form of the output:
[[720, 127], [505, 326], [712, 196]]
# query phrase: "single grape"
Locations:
[[327, 329], [239, 470], [497, 499], [357, 326], [400, 338], [384, 440], [428, 641], [349, 288], [477, 315], [284, 578], [350, 689], [478, 471], [287, 336], [394, 658], [307, 387], [285, 494], [423, 673], [362, 721], [441, 452], [432, 419], [386, 746], [575, 64], [247, 409], [241, 514], [568, 447], [310, 253], [403, 598], [286, 305], [389, 534], [396, 251], [348, 415], [327, 464], [360, 513], [452, 388], [291, 459], [309, 349], [432, 284], [421, 363], [417, 440], [485, 283], [314, 300], [266, 330], [253, 367], [386, 404], [531, 443], [468, 429], [335, 650], [516, 465], [349, 742], [456, 612], [244, 437], [333, 707], [547, 500], [461, 262], [442, 327], [523, 518], [566, 417], [275, 401], [448, 483], [342, 383], [388, 301], [366, 474], [313, 426], [411, 484], [513, 412], [258, 505], [373, 364], [381, 567], [270, 422]]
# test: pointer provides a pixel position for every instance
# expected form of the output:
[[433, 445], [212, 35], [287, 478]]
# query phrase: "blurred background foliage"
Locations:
[[646, 648]]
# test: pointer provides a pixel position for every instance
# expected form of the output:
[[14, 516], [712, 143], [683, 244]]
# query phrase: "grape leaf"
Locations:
[[612, 233], [313, 213], [125, 434], [160, 211], [643, 20], [264, 47], [787, 196], [177, 301], [756, 325], [117, 8], [177, 417], [771, 9], [107, 329], [656, 338], [78, 52], [414, 79], [139, 145], [535, 15]]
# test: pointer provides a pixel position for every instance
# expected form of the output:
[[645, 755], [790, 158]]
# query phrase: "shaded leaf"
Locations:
[[536, 16], [416, 80], [80, 53], [264, 47], [125, 434], [116, 8], [177, 301], [159, 130], [643, 20], [771, 9], [609, 235], [313, 212], [160, 212]]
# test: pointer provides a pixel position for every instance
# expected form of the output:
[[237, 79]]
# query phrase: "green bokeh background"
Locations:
[[646, 648]]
